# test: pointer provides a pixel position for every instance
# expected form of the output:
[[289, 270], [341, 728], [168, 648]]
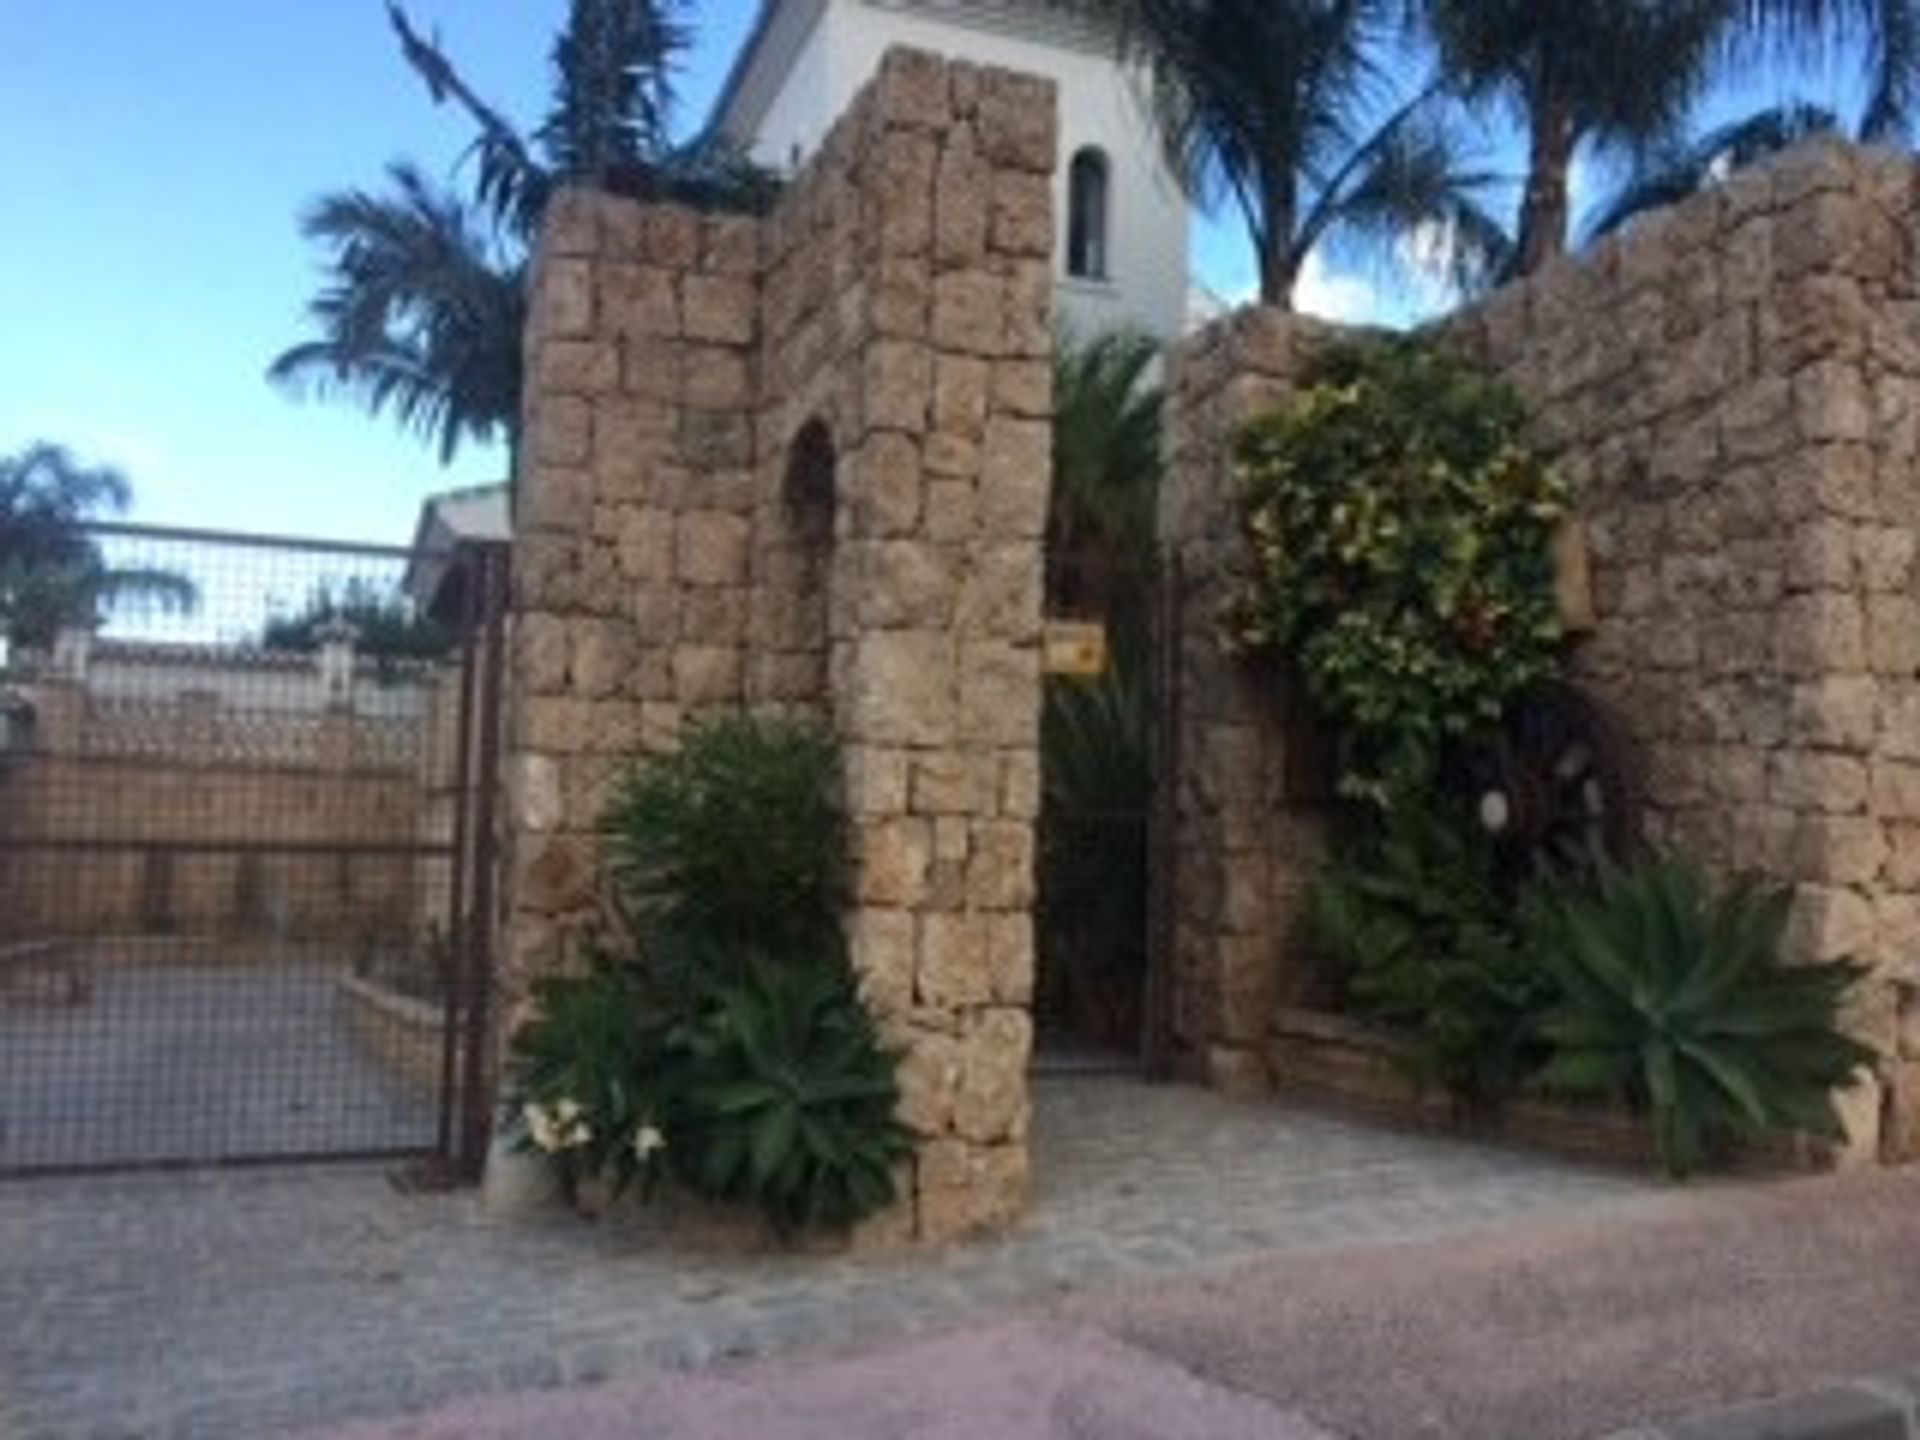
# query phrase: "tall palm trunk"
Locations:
[[1546, 210], [1274, 233]]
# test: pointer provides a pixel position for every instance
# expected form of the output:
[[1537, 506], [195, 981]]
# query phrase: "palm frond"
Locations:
[[1676, 170], [421, 316]]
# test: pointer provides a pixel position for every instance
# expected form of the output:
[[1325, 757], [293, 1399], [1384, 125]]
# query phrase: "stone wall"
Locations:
[[186, 814], [803, 464], [1733, 386]]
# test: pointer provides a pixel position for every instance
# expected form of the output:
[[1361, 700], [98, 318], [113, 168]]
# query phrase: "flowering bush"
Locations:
[[1401, 528], [583, 1098], [729, 1051]]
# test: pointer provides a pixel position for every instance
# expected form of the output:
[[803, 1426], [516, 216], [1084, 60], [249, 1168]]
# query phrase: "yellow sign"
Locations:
[[1076, 648]]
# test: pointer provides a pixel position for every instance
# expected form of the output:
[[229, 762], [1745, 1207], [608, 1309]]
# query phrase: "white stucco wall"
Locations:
[[1099, 106]]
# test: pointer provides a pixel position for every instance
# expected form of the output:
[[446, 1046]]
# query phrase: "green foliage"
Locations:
[[387, 626], [584, 1087], [736, 840], [730, 1052], [1675, 999], [52, 572], [1401, 529], [1097, 759], [778, 1094], [1292, 112], [1412, 912]]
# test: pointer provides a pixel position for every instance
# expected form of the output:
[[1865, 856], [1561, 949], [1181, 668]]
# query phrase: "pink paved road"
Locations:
[[1557, 1331]]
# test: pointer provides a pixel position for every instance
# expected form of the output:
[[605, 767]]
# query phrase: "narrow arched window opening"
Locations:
[[810, 487], [1089, 184]]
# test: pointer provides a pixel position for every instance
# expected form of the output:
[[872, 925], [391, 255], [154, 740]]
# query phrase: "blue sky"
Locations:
[[156, 157]]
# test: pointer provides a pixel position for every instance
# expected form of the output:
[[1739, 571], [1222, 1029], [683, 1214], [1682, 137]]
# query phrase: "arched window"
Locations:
[[811, 483], [1088, 185]]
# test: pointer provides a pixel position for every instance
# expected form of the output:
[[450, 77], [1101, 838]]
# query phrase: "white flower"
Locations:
[[1496, 813], [541, 1128], [646, 1140]]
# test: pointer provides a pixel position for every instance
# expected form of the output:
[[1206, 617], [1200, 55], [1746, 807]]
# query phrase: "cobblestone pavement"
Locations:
[[252, 1304], [197, 1062]]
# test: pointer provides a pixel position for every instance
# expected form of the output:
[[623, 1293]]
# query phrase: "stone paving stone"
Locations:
[[247, 1304]]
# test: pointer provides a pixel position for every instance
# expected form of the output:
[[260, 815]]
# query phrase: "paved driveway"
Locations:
[[250, 1304], [196, 1062]]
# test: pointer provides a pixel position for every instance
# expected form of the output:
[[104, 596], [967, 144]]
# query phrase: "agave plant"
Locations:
[[1674, 998], [778, 1094]]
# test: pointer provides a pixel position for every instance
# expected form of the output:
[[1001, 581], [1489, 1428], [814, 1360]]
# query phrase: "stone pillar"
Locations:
[[938, 594], [1245, 849], [804, 464]]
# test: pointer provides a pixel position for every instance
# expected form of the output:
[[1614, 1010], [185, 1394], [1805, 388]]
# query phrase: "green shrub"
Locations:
[[730, 1051], [778, 1094], [1401, 529], [736, 840], [584, 1093], [1674, 999], [1411, 911]]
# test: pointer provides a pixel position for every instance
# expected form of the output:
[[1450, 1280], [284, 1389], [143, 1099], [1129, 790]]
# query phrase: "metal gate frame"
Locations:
[[465, 1100]]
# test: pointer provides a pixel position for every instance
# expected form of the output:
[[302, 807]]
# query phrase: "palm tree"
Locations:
[[424, 303], [1289, 110], [422, 313], [52, 572], [1106, 478], [1674, 170], [1625, 72]]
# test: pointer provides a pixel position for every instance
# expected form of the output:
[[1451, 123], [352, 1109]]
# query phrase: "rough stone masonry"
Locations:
[[1733, 387], [802, 464]]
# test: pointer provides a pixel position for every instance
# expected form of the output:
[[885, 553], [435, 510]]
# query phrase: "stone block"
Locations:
[[963, 1189], [1839, 851], [969, 312], [1016, 121], [1830, 923], [1016, 478], [720, 308], [881, 949], [962, 384], [906, 584], [1000, 874], [577, 367], [1023, 213], [641, 302], [716, 377], [898, 388], [999, 693], [929, 1076], [996, 1051], [911, 90], [952, 971], [709, 675], [1011, 960], [603, 654], [901, 689], [963, 203], [902, 195], [1823, 633], [1024, 388], [711, 548], [892, 860], [1820, 783]]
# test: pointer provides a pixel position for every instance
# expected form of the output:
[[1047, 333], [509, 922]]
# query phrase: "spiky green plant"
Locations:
[[1675, 998], [777, 1093]]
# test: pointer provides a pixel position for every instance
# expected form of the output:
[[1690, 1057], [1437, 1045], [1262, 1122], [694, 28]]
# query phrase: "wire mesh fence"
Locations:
[[234, 783]]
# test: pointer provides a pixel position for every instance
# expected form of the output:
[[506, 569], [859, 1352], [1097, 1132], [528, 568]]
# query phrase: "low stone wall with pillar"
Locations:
[[803, 464], [1733, 387]]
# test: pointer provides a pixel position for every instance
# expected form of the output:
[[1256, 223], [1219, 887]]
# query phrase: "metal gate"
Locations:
[[1110, 767], [247, 787]]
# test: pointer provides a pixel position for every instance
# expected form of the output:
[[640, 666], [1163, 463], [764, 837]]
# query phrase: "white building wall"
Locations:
[[1099, 106]]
